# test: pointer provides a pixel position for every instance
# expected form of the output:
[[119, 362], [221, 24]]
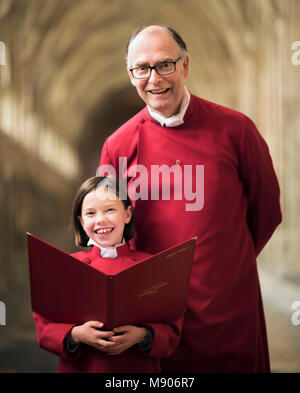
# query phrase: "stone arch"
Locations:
[[105, 117]]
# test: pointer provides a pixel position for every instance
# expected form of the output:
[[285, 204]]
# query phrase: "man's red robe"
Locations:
[[224, 327]]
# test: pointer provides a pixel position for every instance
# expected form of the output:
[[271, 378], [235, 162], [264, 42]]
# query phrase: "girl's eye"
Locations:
[[110, 209]]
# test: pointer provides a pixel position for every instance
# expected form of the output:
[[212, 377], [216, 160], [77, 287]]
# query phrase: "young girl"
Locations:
[[106, 223]]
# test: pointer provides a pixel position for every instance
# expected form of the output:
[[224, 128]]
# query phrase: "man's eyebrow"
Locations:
[[144, 63], [165, 59], [140, 64]]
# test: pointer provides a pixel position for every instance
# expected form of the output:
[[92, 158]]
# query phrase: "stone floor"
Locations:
[[284, 341], [283, 336], [20, 353]]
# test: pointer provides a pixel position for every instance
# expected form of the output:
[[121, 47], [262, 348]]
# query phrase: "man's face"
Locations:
[[163, 93]]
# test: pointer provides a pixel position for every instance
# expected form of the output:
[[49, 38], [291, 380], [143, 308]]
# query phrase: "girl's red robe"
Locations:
[[51, 336]]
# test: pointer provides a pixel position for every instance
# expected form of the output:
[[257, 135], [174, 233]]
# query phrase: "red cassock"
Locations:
[[236, 213], [87, 359]]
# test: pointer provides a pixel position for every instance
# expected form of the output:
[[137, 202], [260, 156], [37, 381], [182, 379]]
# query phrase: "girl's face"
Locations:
[[103, 217]]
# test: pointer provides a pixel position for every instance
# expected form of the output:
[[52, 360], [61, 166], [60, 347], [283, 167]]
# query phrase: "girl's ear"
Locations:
[[128, 214], [80, 220]]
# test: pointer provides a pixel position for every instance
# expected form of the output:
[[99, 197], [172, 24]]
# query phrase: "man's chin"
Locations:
[[163, 111]]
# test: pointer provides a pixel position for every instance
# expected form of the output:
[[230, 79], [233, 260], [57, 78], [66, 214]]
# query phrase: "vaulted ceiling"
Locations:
[[68, 55]]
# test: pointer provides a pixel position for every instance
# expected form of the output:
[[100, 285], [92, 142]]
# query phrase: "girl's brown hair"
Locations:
[[91, 184]]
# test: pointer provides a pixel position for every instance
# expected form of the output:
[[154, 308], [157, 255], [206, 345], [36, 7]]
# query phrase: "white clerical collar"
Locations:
[[174, 120], [106, 252]]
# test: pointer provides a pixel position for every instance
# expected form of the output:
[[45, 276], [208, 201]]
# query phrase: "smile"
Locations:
[[158, 91], [104, 231]]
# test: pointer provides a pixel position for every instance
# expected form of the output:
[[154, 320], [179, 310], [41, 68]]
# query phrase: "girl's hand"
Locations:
[[131, 335], [89, 334]]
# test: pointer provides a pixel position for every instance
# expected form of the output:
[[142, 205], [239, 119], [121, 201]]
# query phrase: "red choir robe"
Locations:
[[238, 210], [87, 359]]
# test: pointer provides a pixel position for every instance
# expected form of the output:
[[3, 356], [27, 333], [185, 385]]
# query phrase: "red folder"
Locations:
[[66, 290]]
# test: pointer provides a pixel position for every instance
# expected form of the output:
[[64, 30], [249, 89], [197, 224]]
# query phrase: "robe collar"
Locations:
[[175, 120], [122, 249], [106, 252]]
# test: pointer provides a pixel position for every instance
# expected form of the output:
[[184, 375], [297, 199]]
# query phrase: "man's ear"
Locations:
[[132, 80], [186, 65]]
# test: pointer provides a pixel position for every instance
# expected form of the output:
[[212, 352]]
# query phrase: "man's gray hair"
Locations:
[[175, 35]]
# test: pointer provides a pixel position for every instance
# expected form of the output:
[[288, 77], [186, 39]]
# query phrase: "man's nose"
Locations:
[[154, 76]]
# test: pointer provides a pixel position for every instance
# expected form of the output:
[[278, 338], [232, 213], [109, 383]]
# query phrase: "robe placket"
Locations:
[[167, 155]]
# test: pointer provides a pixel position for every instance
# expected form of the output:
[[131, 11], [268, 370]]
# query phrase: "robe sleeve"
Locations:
[[166, 338], [51, 336], [105, 158], [260, 186]]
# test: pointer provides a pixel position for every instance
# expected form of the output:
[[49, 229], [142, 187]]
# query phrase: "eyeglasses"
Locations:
[[164, 68]]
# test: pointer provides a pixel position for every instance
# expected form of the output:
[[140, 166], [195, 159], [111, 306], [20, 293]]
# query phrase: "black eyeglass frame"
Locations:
[[154, 68]]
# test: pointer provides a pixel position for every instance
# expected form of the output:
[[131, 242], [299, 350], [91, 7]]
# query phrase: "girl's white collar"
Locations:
[[106, 252]]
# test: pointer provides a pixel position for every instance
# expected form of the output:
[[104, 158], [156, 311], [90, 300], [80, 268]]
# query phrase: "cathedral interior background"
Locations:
[[64, 88]]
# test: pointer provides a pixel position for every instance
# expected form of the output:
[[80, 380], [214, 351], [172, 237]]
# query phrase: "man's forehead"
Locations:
[[151, 31], [149, 46], [158, 36]]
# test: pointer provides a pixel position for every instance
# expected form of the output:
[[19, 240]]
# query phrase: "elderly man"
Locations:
[[221, 155]]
